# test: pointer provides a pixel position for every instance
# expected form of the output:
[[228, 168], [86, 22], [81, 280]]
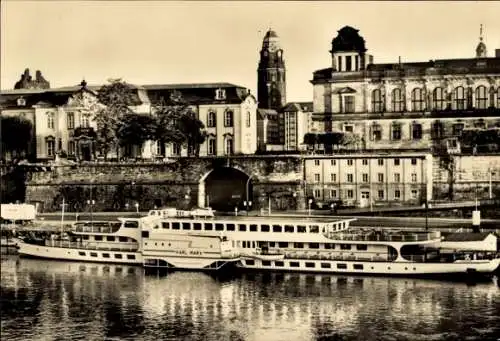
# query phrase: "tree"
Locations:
[[193, 131], [351, 140], [116, 97], [16, 136], [135, 129], [310, 139], [447, 163]]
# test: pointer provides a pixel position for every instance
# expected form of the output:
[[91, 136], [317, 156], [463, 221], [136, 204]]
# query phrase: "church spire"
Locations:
[[481, 47]]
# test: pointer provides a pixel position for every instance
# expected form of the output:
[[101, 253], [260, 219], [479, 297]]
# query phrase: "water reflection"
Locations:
[[47, 300]]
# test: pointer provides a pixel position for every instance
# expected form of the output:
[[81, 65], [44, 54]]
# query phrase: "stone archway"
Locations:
[[225, 188]]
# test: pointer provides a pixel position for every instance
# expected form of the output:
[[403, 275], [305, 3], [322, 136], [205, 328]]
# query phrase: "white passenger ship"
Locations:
[[323, 245]]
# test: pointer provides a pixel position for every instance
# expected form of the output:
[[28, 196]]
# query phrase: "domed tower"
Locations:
[[481, 47], [271, 80], [349, 51]]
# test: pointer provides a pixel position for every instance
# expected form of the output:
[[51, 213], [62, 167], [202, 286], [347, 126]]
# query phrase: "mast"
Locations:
[[62, 220]]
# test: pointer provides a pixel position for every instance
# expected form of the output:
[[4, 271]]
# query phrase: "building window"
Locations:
[[220, 94], [71, 120], [212, 147], [350, 162], [249, 119], [51, 146], [316, 162], [414, 161], [333, 193], [365, 162], [397, 178], [459, 94], [340, 63], [481, 97], [416, 131], [228, 118], [333, 162], [348, 63], [380, 162], [71, 147], [397, 162], [413, 177], [396, 131], [176, 149], [457, 129], [211, 119], [349, 128], [349, 104], [365, 177], [380, 177], [437, 130], [350, 194], [498, 97], [417, 99], [397, 100], [438, 102], [85, 121], [414, 194], [333, 177], [316, 177], [50, 120], [350, 178], [229, 146], [376, 132], [381, 194], [397, 194], [377, 104], [317, 193]]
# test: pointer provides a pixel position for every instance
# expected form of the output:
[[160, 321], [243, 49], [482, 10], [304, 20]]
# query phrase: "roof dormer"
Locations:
[[220, 94]]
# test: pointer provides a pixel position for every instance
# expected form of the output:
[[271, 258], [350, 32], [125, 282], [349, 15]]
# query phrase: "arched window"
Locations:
[[249, 119], [229, 147], [417, 100], [397, 100], [228, 118], [212, 146], [438, 102], [211, 119], [459, 95], [377, 103], [481, 97], [85, 121]]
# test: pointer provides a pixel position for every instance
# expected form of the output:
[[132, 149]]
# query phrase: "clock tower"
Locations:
[[271, 80]]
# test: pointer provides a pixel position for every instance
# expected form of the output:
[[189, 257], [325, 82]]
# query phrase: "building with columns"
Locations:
[[404, 105]]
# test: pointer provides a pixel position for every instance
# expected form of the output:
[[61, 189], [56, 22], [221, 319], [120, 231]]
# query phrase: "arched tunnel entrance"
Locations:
[[225, 188]]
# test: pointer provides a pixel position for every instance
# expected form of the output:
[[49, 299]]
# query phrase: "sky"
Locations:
[[164, 42]]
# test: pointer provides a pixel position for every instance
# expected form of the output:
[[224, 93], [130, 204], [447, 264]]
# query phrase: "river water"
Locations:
[[51, 300]]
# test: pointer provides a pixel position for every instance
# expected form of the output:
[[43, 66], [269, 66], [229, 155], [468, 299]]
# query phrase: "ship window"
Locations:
[[219, 227], [264, 228], [253, 228], [272, 244], [165, 225], [341, 266], [130, 256], [93, 254], [298, 245], [176, 226], [314, 245], [81, 253], [310, 265], [123, 239], [294, 264], [358, 266], [85, 237], [362, 247], [209, 226], [110, 238], [186, 226], [326, 265], [279, 263], [244, 244], [266, 263], [314, 229], [345, 246], [283, 244], [145, 234], [250, 262], [289, 228], [329, 246], [242, 227], [131, 224], [118, 255], [230, 227], [105, 255], [301, 229], [98, 238]]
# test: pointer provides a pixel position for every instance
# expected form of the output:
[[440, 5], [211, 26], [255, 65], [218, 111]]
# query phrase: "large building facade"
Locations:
[[63, 118], [404, 105]]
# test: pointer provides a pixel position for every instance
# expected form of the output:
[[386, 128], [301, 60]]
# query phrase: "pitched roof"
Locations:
[[467, 237], [265, 113]]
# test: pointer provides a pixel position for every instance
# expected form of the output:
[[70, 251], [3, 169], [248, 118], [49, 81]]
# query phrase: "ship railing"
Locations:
[[88, 246], [338, 257], [384, 237], [88, 228]]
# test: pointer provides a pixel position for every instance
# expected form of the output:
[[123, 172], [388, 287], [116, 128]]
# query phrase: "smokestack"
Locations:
[[497, 53]]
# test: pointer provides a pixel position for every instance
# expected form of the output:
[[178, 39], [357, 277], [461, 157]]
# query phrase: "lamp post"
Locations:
[[137, 207], [91, 203], [269, 205], [309, 205]]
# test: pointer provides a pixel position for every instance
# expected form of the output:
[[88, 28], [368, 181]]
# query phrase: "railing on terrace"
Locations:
[[383, 237]]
